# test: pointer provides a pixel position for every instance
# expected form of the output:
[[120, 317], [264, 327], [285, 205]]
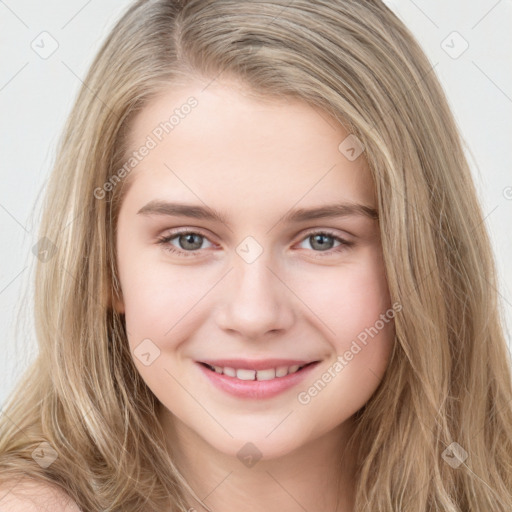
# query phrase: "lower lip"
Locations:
[[258, 389]]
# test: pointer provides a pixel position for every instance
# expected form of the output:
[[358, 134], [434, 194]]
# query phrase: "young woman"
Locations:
[[268, 283]]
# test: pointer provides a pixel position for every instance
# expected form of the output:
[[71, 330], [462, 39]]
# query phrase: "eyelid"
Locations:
[[176, 232], [182, 230], [328, 231]]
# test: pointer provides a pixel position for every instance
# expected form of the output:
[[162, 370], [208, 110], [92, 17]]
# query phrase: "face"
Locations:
[[224, 262]]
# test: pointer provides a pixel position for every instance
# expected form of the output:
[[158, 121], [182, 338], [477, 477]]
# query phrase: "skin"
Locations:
[[254, 161]]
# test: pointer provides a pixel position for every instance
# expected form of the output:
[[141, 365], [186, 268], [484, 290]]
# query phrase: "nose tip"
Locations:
[[254, 302]]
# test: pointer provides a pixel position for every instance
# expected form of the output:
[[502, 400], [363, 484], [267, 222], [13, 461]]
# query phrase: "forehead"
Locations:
[[221, 143]]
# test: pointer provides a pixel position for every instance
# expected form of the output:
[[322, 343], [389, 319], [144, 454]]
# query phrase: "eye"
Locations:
[[189, 242], [322, 242]]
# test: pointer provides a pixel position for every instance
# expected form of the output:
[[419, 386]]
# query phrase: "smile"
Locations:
[[265, 374], [255, 379]]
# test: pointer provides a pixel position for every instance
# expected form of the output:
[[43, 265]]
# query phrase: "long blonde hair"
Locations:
[[447, 393]]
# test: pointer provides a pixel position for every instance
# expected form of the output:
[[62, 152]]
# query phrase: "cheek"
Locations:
[[354, 310], [347, 299], [357, 315], [157, 296], [366, 326]]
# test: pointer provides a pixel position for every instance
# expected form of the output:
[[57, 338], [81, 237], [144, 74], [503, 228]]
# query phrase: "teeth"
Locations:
[[230, 372], [281, 371], [245, 374], [268, 374]]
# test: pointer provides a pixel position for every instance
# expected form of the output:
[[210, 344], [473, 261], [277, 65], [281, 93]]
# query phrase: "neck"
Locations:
[[316, 476]]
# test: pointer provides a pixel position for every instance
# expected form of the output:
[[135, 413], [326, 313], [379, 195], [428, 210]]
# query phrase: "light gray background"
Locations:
[[36, 95]]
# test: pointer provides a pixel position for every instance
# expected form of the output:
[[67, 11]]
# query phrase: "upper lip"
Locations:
[[253, 364]]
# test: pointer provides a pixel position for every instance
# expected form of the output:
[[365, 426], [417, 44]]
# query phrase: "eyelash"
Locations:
[[164, 242]]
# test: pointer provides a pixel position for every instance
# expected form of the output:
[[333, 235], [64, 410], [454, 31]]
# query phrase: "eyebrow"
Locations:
[[159, 207]]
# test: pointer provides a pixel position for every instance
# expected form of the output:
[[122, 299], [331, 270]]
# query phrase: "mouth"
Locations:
[[261, 374], [251, 379]]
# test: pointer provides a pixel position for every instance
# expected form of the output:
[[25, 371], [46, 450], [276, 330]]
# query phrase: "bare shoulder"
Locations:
[[28, 495]]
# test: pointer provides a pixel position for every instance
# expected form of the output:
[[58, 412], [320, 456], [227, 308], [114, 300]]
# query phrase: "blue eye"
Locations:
[[321, 241], [190, 242]]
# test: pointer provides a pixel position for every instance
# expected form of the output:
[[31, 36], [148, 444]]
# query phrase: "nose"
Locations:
[[256, 301]]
